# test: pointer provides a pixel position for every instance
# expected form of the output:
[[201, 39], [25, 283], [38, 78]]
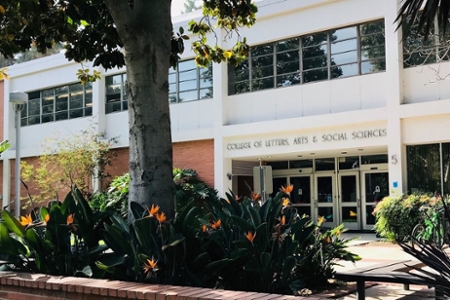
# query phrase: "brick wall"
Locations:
[[197, 155], [23, 286]]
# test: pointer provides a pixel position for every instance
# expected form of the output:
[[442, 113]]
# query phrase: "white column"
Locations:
[[222, 166], [6, 192], [394, 99], [8, 125], [98, 102], [98, 116]]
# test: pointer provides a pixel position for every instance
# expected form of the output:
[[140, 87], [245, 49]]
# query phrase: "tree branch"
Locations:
[[121, 13]]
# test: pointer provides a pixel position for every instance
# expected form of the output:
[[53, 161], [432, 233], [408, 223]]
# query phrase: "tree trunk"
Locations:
[[145, 31]]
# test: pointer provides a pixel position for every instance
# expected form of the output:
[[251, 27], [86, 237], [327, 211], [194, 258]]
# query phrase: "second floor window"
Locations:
[[327, 55], [417, 51], [186, 83], [59, 103]]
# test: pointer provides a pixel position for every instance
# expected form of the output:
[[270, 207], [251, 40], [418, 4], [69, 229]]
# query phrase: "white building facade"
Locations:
[[330, 98]]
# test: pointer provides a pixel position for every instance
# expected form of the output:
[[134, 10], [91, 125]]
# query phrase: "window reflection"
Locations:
[[185, 83], [319, 56], [55, 104]]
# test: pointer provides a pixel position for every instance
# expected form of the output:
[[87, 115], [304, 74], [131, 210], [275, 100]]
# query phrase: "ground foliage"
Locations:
[[234, 243]]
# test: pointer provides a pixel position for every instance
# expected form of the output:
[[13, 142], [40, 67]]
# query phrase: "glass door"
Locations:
[[375, 188], [325, 198], [349, 200], [301, 194]]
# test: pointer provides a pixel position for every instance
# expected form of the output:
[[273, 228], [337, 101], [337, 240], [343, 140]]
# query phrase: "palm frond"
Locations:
[[411, 13], [434, 258]]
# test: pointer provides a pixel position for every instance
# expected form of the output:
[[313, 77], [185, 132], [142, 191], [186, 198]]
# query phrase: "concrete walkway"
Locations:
[[373, 250]]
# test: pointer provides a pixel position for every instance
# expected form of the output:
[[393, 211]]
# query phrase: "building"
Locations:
[[330, 97]]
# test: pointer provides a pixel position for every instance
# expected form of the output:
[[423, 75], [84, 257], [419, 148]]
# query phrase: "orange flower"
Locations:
[[283, 220], [69, 219], [255, 196], [153, 210], [149, 266], [288, 189], [216, 225], [161, 217], [26, 220], [47, 218], [250, 236], [204, 228], [286, 201]]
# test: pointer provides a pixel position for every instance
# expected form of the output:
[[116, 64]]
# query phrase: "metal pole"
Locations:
[[441, 163], [17, 162]]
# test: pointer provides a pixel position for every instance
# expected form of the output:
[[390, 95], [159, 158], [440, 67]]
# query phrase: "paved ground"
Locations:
[[372, 251]]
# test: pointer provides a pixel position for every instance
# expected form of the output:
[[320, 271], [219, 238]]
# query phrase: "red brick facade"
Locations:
[[197, 155]]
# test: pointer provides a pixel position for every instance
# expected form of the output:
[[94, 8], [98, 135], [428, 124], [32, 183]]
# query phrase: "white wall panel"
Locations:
[[427, 83], [289, 103], [32, 137], [372, 89], [425, 130], [345, 94], [316, 98]]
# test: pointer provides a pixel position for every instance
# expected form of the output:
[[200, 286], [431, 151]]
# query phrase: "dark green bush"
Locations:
[[397, 216], [233, 243]]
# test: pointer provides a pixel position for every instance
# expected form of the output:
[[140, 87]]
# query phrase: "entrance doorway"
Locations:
[[375, 188], [346, 196]]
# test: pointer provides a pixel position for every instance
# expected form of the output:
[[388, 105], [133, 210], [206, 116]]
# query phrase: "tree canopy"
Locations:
[[140, 35]]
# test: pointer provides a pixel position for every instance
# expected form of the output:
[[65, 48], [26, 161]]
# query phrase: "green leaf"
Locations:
[[137, 210], [217, 265], [261, 239], [181, 30], [190, 221], [202, 259], [254, 216], [145, 232], [242, 224], [120, 223], [84, 23], [116, 241], [94, 251], [6, 244], [266, 258], [288, 266], [177, 239], [13, 224]]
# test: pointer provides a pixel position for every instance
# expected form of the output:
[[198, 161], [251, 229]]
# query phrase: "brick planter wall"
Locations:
[[24, 286]]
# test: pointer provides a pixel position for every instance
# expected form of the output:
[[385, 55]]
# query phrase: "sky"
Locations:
[[177, 7]]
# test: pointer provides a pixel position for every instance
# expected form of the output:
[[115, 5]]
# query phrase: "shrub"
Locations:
[[397, 216], [187, 187], [116, 198], [234, 243], [60, 239], [68, 161]]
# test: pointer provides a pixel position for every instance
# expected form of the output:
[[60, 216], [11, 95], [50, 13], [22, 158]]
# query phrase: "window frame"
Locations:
[[359, 61], [25, 116]]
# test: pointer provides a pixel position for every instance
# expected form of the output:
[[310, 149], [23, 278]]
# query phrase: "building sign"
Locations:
[[309, 139]]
